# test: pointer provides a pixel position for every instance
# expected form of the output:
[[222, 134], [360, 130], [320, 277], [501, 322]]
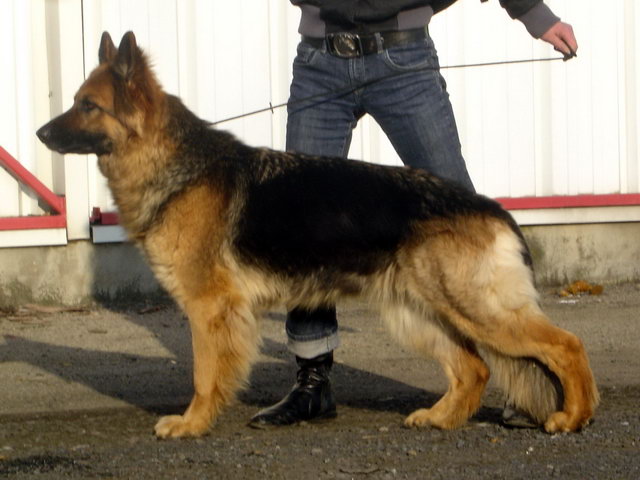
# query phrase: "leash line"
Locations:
[[339, 92]]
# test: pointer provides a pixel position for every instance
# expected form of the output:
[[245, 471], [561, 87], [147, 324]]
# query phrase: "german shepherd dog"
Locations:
[[230, 230]]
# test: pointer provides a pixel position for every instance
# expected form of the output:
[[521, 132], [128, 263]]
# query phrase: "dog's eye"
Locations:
[[87, 106]]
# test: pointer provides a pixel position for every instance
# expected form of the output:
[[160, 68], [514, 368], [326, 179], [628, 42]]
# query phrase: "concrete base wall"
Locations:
[[83, 273], [79, 273], [598, 253]]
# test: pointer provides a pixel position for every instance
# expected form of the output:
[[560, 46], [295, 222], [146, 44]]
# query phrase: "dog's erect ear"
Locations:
[[129, 56], [107, 50]]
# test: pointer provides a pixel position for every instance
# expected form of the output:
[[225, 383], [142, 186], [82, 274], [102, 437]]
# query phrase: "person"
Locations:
[[359, 42]]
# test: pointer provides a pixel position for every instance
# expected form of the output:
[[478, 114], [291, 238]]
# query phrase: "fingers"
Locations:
[[568, 56], [561, 36]]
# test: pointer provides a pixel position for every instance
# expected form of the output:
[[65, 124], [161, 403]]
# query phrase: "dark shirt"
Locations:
[[351, 14]]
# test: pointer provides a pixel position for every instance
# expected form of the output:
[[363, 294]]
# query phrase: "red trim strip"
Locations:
[[56, 202], [36, 222], [573, 201], [110, 218], [522, 203], [103, 218]]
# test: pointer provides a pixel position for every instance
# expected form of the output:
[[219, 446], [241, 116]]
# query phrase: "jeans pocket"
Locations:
[[414, 56], [305, 54]]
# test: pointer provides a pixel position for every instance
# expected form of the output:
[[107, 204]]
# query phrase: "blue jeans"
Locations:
[[413, 110]]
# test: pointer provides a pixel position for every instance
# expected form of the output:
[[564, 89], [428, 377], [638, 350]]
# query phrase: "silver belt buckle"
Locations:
[[344, 45]]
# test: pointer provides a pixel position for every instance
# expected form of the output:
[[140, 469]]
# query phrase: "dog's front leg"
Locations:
[[225, 342]]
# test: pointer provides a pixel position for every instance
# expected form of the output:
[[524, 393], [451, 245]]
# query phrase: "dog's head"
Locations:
[[113, 105]]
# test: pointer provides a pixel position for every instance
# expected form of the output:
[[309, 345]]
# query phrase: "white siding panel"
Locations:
[[9, 200], [163, 35], [66, 72], [24, 86], [24, 96], [241, 71], [256, 71], [520, 119], [556, 128], [225, 82], [633, 86], [33, 238], [629, 88], [605, 97], [283, 39]]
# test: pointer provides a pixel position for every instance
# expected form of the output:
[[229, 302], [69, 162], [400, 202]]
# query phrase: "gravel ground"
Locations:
[[82, 390]]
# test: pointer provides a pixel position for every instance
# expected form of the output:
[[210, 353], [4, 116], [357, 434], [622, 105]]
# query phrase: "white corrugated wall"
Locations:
[[527, 130]]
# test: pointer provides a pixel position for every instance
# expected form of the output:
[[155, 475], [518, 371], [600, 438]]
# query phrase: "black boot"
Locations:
[[310, 398]]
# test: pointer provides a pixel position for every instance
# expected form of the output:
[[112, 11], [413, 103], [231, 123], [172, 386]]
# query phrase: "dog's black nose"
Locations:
[[44, 133]]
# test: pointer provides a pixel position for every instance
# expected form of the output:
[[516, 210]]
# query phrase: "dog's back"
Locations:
[[302, 214]]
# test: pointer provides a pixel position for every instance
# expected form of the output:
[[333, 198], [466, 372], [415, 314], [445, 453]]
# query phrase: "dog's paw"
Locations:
[[177, 426], [420, 418], [434, 417], [558, 422], [562, 422]]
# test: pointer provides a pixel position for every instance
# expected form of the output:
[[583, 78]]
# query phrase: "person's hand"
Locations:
[[561, 36]]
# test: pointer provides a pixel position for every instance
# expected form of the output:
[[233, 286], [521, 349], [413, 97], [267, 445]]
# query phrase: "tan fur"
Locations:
[[486, 293], [456, 289], [186, 253]]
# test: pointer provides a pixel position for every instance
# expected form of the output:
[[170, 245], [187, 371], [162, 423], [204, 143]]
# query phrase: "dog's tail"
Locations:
[[530, 386]]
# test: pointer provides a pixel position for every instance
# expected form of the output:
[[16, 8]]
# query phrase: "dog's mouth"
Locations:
[[80, 149], [82, 143]]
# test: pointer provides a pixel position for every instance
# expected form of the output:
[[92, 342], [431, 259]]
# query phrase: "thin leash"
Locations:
[[339, 92]]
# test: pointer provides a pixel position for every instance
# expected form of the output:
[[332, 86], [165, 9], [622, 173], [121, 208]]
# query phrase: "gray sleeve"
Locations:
[[538, 20]]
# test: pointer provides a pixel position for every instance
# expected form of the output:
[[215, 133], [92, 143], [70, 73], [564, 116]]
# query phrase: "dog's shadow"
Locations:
[[273, 376], [161, 384]]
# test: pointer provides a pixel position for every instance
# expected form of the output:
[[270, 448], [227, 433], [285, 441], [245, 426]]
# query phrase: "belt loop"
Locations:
[[379, 42]]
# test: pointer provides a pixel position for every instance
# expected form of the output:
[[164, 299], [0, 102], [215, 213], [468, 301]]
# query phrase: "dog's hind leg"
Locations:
[[465, 370], [527, 332], [225, 343], [488, 296]]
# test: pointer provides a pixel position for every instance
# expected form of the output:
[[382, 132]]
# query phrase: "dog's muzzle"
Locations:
[[64, 140]]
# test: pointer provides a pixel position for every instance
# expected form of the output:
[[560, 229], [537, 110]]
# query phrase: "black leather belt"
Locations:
[[350, 45]]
